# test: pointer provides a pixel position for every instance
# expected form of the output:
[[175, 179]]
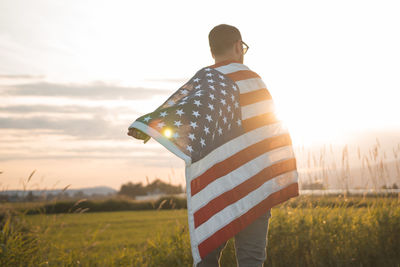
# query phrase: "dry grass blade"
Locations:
[[161, 204], [65, 188], [30, 176], [84, 210], [80, 201]]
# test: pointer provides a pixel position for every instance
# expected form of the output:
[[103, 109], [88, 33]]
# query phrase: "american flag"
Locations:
[[238, 156]]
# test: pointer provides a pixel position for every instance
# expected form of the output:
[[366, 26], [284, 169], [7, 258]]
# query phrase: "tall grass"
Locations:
[[350, 165], [18, 241]]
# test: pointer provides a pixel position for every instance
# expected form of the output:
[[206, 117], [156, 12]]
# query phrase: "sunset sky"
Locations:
[[75, 74]]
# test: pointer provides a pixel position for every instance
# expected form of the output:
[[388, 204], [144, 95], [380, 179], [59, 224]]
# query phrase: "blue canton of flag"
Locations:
[[201, 115]]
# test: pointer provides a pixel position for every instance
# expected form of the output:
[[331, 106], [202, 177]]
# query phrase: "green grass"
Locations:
[[106, 231], [305, 231]]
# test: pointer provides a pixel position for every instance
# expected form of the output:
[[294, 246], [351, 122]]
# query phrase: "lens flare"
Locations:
[[168, 133]]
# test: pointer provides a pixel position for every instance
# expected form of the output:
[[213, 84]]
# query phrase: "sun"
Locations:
[[168, 133]]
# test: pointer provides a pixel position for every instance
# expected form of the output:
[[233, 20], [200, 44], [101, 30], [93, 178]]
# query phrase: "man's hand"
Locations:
[[138, 134]]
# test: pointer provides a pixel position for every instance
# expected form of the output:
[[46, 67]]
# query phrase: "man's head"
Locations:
[[226, 43]]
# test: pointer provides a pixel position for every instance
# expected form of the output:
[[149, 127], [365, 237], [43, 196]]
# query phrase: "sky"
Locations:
[[75, 74]]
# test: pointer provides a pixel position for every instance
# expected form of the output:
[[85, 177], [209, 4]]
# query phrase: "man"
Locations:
[[239, 159]]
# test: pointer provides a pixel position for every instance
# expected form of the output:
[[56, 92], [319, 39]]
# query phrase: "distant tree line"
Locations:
[[30, 196], [156, 187]]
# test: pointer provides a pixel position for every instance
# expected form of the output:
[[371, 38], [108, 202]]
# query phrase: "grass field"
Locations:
[[302, 232], [106, 231]]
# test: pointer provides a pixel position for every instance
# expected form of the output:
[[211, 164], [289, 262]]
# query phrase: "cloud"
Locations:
[[180, 81], [21, 76], [93, 91], [95, 128], [97, 110]]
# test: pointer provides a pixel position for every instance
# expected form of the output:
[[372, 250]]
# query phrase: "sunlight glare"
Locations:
[[168, 133]]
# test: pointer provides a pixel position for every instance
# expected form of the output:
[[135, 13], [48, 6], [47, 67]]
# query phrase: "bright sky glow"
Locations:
[[332, 68]]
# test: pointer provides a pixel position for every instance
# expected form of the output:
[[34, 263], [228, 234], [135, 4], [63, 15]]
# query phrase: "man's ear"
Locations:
[[238, 47]]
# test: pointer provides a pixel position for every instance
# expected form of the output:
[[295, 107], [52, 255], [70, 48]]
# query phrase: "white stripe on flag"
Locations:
[[233, 67], [248, 85], [243, 205], [233, 146], [257, 108], [239, 175], [162, 140], [190, 211]]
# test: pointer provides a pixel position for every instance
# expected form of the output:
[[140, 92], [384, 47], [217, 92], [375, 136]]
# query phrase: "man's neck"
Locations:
[[226, 58]]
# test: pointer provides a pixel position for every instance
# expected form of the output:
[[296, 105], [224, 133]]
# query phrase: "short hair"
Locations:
[[222, 37]]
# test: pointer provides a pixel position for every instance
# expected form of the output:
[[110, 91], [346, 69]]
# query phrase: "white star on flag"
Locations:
[[202, 142], [196, 113], [197, 103], [175, 135], [191, 136], [177, 123], [193, 124], [180, 112], [160, 124]]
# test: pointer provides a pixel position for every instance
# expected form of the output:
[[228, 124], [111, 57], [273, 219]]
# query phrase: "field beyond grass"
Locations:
[[305, 231]]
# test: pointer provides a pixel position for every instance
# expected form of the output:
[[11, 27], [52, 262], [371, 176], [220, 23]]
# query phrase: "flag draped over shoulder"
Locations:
[[238, 156]]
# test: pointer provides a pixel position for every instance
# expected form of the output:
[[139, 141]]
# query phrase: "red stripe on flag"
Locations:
[[242, 75], [240, 223], [231, 163], [259, 121], [254, 97], [240, 191]]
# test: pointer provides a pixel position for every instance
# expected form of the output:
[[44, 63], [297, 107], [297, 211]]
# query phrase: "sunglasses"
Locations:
[[245, 47]]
